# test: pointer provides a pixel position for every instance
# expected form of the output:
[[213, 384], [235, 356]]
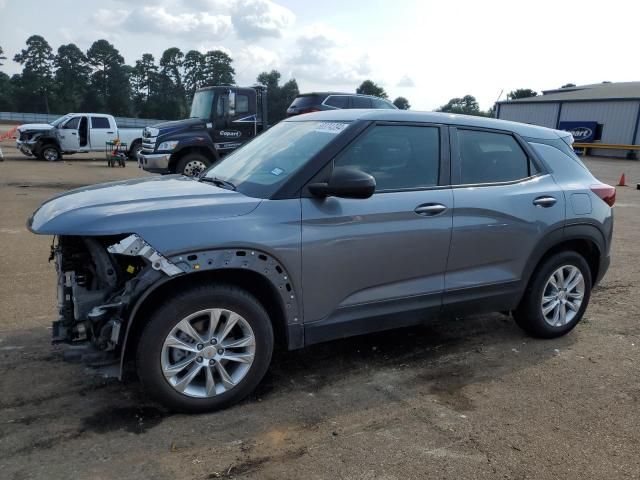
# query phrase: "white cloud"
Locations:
[[207, 48], [325, 55], [110, 18], [406, 81], [250, 61], [196, 25], [254, 19]]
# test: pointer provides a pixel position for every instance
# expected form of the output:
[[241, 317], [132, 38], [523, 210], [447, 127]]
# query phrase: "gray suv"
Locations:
[[328, 225]]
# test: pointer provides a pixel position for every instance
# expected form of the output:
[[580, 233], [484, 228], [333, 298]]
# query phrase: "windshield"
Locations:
[[58, 121], [261, 166], [201, 105]]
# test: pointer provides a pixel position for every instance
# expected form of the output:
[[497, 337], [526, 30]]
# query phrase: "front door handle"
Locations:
[[110, 133], [545, 202], [430, 209]]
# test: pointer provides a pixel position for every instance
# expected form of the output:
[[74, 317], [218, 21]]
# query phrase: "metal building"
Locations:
[[607, 113]]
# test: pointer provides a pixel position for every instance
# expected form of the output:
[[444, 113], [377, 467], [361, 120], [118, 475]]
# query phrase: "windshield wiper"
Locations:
[[218, 182]]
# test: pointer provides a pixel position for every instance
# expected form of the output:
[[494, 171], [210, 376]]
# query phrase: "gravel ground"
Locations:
[[471, 398]]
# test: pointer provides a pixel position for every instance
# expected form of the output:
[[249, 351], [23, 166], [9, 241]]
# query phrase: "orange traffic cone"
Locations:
[[623, 181]]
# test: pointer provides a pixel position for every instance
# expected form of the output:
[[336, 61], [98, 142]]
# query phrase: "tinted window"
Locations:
[[360, 102], [72, 124], [99, 122], [242, 104], [305, 101], [380, 103], [338, 101], [398, 157], [490, 157]]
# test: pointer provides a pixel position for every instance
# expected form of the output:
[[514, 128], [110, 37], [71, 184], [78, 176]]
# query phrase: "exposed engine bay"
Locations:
[[98, 280]]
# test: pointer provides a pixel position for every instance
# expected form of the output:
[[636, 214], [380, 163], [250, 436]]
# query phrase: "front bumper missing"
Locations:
[[94, 300], [134, 246]]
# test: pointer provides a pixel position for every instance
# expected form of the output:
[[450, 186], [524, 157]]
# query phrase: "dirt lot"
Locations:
[[472, 398]]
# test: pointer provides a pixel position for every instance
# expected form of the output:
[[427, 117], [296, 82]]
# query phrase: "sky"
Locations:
[[427, 51]]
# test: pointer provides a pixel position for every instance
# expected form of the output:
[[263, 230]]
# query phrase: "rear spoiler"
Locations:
[[565, 136]]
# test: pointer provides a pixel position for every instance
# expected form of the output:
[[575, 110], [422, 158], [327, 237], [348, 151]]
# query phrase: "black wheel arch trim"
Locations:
[[574, 231], [240, 258]]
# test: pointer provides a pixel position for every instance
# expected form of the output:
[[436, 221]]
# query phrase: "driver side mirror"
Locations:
[[345, 183]]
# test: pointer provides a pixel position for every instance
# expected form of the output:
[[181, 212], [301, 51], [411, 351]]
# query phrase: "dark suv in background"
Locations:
[[318, 101]]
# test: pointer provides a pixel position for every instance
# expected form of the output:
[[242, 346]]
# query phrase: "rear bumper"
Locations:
[[154, 162]]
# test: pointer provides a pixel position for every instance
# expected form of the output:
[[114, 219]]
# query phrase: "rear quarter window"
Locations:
[[337, 101], [383, 104], [305, 101]]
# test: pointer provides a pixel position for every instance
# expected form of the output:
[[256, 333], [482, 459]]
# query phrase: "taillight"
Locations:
[[606, 192]]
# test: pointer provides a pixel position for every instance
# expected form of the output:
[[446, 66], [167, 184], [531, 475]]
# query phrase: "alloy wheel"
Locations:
[[208, 353], [562, 295]]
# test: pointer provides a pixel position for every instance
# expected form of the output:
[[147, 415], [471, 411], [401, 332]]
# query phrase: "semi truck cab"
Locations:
[[222, 118]]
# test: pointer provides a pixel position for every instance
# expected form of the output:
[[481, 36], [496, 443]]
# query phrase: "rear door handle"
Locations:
[[110, 132], [545, 202], [430, 209]]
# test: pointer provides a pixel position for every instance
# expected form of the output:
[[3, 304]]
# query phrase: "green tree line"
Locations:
[[98, 80]]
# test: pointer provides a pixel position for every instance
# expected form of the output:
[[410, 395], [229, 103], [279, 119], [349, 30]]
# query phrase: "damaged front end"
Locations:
[[99, 279]]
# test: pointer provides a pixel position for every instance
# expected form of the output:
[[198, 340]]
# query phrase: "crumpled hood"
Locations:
[[138, 206], [32, 127]]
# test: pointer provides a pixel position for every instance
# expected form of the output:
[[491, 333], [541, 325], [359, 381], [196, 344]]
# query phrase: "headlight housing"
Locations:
[[168, 145]]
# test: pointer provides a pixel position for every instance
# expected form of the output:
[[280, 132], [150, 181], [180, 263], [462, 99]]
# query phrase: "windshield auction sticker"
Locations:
[[331, 127]]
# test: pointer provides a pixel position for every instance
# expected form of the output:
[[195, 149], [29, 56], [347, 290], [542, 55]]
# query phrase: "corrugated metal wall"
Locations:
[[543, 114], [618, 120]]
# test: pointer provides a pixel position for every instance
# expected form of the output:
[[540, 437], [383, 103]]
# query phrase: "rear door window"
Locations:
[[100, 122], [337, 101], [360, 102], [488, 157]]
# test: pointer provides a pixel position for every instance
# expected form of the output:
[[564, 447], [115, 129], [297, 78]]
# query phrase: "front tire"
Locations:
[[135, 149], [50, 153], [192, 164], [557, 296], [205, 349]]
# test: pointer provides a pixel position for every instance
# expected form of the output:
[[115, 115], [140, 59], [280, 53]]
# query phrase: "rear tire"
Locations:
[[164, 366], [557, 296], [192, 164]]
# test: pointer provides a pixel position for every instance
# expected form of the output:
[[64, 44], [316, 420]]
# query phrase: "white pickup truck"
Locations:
[[75, 133]]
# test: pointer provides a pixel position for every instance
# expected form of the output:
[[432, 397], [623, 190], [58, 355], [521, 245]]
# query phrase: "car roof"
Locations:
[[325, 94], [350, 115]]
